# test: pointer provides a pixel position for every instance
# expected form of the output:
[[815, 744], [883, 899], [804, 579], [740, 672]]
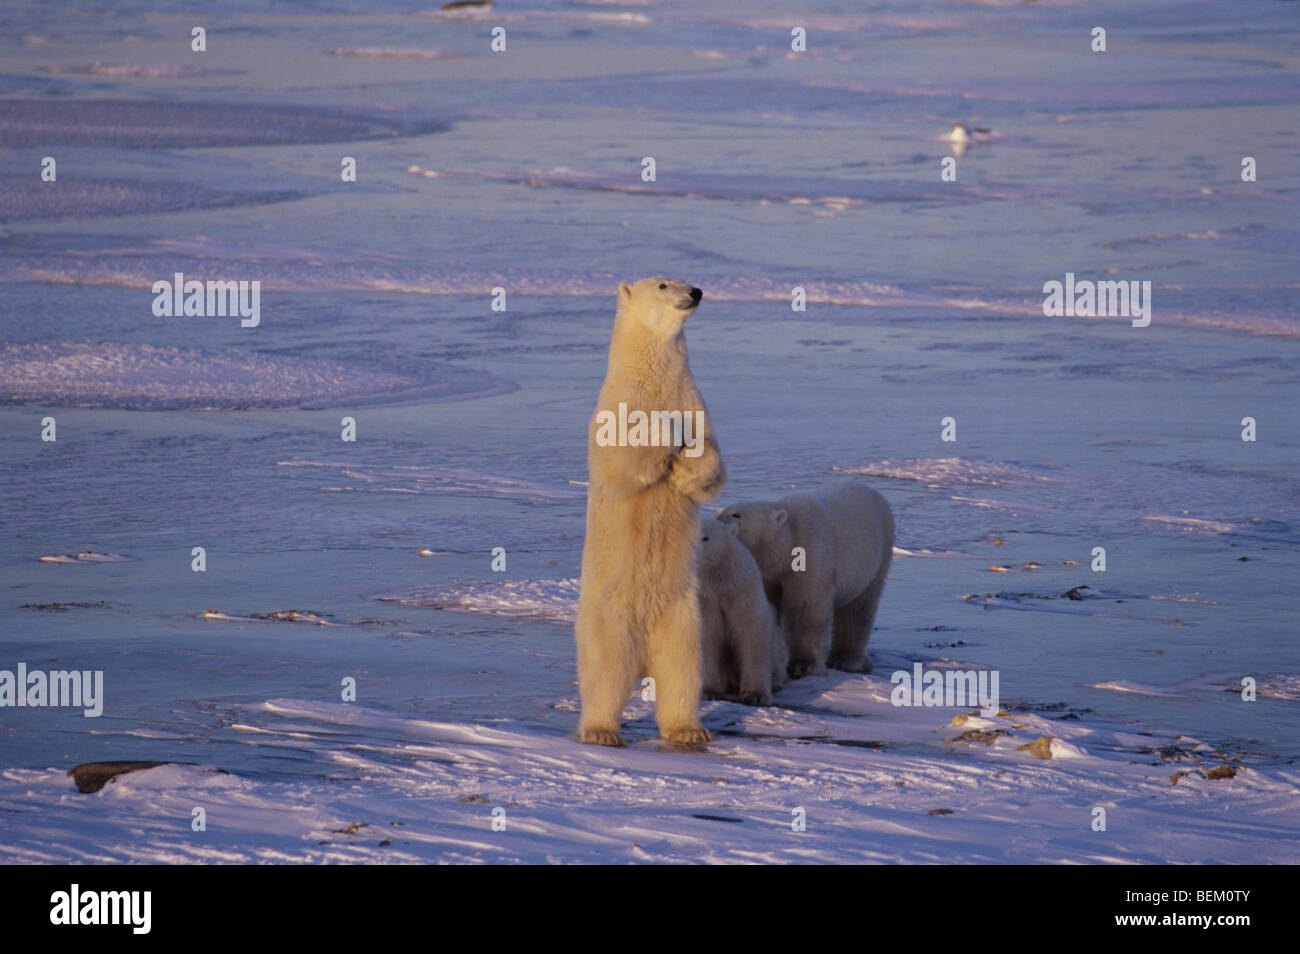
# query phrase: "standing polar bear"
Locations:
[[653, 460], [824, 560], [744, 653]]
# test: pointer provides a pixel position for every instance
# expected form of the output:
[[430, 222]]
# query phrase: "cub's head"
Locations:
[[660, 304], [762, 527], [715, 537]]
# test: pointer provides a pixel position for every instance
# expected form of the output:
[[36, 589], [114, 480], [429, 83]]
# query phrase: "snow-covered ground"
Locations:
[[834, 772], [869, 782]]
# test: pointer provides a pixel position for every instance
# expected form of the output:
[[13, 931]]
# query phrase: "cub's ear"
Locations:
[[624, 291], [733, 529], [779, 516]]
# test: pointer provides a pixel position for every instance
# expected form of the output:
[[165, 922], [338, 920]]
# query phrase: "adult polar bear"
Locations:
[[638, 612], [846, 534]]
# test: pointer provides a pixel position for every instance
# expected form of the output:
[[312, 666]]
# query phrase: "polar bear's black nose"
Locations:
[[696, 295]]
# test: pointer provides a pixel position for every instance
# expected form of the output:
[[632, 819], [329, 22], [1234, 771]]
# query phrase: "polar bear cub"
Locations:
[[653, 459], [744, 653], [824, 559]]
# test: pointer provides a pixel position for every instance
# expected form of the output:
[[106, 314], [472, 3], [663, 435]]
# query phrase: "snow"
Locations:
[[875, 782], [870, 779]]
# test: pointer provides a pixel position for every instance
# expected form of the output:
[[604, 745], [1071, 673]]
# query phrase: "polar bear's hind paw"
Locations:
[[697, 735], [603, 737], [805, 667], [850, 663]]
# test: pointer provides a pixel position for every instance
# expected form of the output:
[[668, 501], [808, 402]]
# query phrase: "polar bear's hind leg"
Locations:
[[674, 664], [607, 675]]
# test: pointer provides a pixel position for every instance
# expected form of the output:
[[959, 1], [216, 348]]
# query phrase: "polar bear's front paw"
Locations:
[[850, 663], [697, 482], [603, 737], [681, 476], [692, 735], [755, 697]]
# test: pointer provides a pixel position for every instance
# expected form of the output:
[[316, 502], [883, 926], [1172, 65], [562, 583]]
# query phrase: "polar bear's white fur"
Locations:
[[638, 611], [847, 537], [744, 653]]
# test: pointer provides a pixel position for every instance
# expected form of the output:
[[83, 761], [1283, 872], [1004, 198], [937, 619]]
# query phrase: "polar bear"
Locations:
[[831, 586], [744, 653], [653, 459]]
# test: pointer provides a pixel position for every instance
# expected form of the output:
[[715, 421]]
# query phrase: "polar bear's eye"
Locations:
[[663, 285], [736, 515]]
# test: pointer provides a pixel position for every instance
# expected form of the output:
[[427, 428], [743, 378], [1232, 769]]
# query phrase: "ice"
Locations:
[[86, 556], [21, 202], [547, 599], [140, 124], [408, 479], [379, 650], [142, 376]]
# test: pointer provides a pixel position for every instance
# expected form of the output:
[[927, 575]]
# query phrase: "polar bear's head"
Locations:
[[764, 529], [661, 304], [715, 537]]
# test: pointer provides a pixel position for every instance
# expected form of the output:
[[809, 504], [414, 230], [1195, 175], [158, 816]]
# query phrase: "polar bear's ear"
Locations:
[[733, 529], [779, 516], [624, 291]]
